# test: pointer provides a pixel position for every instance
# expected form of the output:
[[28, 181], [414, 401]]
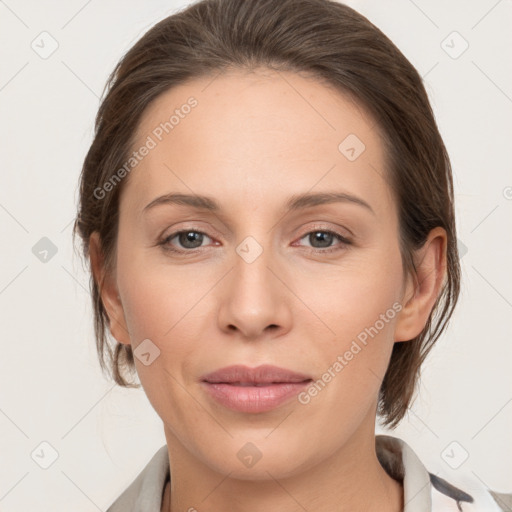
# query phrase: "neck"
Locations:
[[350, 479]]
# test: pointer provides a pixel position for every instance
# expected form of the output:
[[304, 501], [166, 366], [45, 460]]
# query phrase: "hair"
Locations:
[[327, 40]]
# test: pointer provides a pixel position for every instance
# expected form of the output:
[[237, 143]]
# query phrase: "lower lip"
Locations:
[[254, 398]]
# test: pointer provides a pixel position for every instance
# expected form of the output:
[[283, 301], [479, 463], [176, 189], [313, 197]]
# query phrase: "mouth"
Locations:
[[256, 384], [253, 390], [262, 375]]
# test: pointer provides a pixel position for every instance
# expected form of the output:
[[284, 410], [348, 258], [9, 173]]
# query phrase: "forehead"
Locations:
[[261, 134]]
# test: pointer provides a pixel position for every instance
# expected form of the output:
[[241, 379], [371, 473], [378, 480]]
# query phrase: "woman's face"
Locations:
[[257, 282]]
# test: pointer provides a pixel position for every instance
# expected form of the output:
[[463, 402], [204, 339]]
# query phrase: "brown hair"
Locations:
[[326, 39]]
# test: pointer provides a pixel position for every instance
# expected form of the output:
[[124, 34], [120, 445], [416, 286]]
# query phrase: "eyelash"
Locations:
[[165, 243]]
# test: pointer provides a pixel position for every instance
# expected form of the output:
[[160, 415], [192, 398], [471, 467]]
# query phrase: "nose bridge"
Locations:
[[251, 272], [253, 298]]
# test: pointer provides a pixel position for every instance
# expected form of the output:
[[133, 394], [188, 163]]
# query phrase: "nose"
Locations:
[[255, 302]]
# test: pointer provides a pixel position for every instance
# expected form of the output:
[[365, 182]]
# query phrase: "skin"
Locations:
[[253, 140]]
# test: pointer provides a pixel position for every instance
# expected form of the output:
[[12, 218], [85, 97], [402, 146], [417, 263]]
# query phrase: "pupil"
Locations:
[[323, 237], [190, 237]]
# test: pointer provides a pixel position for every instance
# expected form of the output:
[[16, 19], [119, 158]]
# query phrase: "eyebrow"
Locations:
[[294, 203]]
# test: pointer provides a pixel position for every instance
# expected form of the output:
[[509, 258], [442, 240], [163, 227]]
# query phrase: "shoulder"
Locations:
[[145, 492], [425, 491]]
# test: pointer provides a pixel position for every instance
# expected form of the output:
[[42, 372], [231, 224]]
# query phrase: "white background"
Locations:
[[51, 388]]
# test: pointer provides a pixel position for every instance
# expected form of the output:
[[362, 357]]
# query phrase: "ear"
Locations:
[[108, 291], [422, 289]]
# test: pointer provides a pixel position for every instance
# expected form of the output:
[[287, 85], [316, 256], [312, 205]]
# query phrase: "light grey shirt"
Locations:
[[423, 491]]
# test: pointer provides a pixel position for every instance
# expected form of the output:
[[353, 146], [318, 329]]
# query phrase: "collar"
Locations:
[[402, 464]]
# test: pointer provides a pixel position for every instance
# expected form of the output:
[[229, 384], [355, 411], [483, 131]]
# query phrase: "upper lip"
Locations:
[[264, 374]]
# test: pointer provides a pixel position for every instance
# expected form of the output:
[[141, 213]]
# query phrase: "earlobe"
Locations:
[[108, 291], [424, 287]]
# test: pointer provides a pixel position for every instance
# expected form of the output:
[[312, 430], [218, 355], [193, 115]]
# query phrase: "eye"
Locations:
[[189, 239], [321, 240]]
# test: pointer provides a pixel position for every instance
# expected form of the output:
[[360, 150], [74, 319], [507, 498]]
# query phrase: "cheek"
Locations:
[[149, 309], [163, 304], [352, 362], [355, 316], [156, 308], [155, 294], [170, 321], [352, 296]]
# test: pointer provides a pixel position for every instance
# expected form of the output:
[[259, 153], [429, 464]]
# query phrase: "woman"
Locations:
[[267, 206]]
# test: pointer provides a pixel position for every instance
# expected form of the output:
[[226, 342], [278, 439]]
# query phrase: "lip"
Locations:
[[254, 390]]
